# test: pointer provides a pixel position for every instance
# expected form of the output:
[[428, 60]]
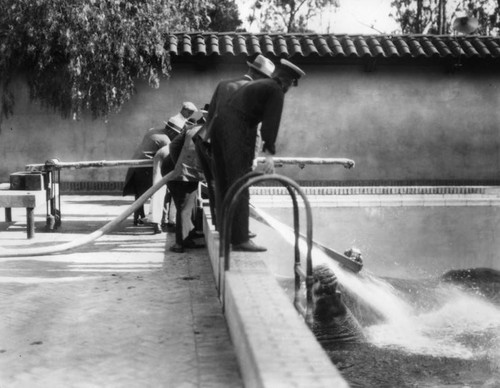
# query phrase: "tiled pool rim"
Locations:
[[381, 196], [380, 190]]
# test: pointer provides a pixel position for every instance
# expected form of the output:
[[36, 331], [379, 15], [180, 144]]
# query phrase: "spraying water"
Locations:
[[375, 292], [458, 324]]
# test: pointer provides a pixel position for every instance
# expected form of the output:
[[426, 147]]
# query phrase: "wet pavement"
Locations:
[[120, 312]]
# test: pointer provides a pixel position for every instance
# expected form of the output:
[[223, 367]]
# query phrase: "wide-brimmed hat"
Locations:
[[262, 65], [175, 123], [295, 71], [291, 70]]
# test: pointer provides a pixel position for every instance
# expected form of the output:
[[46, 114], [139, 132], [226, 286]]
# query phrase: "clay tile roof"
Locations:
[[389, 47], [240, 46], [430, 49], [322, 46], [402, 47], [335, 46], [349, 48], [281, 46], [213, 45], [332, 46], [492, 46]]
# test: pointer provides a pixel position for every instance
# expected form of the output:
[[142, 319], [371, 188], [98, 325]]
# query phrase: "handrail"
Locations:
[[57, 165], [278, 161], [54, 166], [229, 203]]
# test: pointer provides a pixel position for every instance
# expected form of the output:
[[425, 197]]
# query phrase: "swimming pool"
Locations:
[[402, 235], [449, 335]]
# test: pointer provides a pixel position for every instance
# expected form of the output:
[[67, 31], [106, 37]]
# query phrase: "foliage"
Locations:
[[488, 14], [424, 16], [86, 55], [224, 16], [287, 15]]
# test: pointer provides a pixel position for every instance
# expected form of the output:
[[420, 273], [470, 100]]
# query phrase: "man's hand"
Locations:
[[267, 166], [348, 163]]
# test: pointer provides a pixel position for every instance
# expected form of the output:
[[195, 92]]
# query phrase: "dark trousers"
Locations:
[[233, 150], [180, 191], [140, 181], [204, 154]]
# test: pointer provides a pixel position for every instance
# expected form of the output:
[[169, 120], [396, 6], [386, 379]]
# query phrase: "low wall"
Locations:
[[399, 123]]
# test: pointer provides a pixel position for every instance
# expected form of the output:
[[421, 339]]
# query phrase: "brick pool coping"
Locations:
[[381, 196], [274, 346]]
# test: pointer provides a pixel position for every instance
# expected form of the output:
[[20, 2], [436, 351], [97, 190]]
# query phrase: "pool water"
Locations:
[[409, 242], [426, 332]]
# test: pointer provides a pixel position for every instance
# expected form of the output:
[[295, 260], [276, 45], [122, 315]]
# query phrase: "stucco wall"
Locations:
[[397, 123]]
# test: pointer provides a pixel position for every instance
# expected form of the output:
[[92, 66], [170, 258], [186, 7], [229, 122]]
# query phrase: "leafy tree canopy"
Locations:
[[287, 15], [224, 16], [436, 16], [85, 55]]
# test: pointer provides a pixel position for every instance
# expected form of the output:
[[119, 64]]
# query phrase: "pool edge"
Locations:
[[274, 346]]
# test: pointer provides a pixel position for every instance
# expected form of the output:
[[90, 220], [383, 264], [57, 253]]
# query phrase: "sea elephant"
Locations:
[[483, 281], [333, 322]]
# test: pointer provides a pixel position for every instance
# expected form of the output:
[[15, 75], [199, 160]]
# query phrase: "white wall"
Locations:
[[397, 123]]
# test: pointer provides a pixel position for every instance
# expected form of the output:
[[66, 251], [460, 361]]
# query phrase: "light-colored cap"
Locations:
[[190, 106], [262, 65], [295, 71]]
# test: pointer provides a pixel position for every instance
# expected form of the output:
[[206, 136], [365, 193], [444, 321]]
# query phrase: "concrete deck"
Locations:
[[126, 312], [122, 312]]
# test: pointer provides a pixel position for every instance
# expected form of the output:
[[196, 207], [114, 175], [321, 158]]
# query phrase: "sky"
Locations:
[[353, 17]]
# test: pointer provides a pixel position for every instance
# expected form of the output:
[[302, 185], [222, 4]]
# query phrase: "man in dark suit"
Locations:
[[261, 67], [234, 134]]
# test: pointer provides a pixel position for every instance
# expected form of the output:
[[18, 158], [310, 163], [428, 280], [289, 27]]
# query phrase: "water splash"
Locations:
[[375, 292], [464, 326]]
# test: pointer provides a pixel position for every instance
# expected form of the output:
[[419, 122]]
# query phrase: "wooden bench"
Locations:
[[20, 198]]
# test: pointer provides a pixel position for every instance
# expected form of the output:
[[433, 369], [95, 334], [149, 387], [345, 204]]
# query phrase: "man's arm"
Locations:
[[271, 119]]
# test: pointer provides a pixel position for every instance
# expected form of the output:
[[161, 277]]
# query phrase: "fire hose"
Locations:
[[110, 226], [40, 251]]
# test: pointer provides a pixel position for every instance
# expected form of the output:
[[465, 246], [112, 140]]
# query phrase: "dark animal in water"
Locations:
[[333, 322], [482, 281]]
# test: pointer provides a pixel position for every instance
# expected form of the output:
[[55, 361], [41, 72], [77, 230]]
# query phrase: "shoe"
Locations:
[[168, 227], [194, 234], [156, 229], [138, 221], [248, 246], [177, 248], [252, 235], [191, 244]]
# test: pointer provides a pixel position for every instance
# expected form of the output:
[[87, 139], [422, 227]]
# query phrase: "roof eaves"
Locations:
[[302, 45]]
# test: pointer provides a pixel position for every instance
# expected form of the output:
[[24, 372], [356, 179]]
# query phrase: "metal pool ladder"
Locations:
[[227, 215]]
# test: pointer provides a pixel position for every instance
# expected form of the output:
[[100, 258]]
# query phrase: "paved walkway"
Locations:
[[122, 312]]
